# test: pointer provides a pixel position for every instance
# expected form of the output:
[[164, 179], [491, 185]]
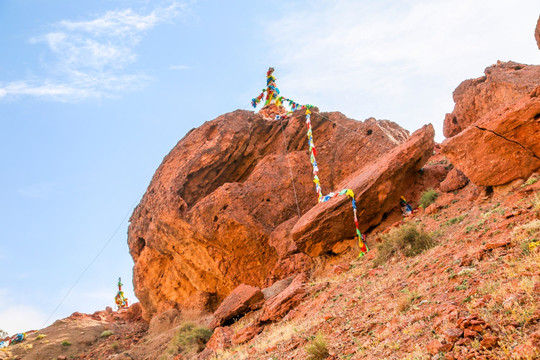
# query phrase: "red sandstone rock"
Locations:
[[537, 33], [500, 147], [453, 334], [455, 180], [497, 244], [204, 224], [135, 312], [220, 340], [247, 333], [241, 300], [502, 85], [489, 342], [277, 307], [470, 333], [377, 189], [434, 347]]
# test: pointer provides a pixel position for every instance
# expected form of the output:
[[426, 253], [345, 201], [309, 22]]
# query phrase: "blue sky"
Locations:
[[94, 94]]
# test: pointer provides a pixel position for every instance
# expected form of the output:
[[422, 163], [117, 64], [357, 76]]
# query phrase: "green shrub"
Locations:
[[406, 239], [66, 343], [189, 338], [428, 197], [317, 349], [456, 220], [106, 333]]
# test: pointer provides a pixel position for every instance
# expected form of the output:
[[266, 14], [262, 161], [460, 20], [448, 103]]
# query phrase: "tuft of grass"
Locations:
[[115, 346], [189, 338], [106, 333], [40, 336], [406, 239], [528, 236], [406, 301], [318, 348], [530, 181], [428, 197], [66, 343], [456, 220]]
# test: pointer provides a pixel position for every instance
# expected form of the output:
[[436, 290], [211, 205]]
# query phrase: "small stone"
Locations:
[[446, 347], [470, 334], [463, 341], [477, 328], [433, 347], [453, 334], [489, 342]]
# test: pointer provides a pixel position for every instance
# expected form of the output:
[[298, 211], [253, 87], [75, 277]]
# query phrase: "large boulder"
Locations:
[[502, 146], [502, 85], [377, 189], [204, 225], [537, 33]]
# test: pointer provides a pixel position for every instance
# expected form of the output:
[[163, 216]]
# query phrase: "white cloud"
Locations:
[[123, 23], [36, 191], [16, 317], [398, 60], [179, 67], [91, 58]]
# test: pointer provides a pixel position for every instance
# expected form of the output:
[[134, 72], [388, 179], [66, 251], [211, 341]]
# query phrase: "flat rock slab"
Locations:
[[377, 189], [242, 299]]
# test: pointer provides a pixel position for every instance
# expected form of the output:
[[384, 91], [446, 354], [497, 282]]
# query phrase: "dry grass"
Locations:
[[189, 339], [527, 236], [428, 197], [406, 239], [318, 348], [407, 300]]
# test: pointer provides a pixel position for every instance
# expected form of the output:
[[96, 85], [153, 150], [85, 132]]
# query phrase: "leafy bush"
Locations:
[[406, 239], [428, 197], [318, 349], [189, 338], [66, 343]]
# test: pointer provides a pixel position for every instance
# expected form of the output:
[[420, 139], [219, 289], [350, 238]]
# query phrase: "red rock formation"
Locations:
[[377, 187], [455, 180], [241, 300], [502, 146], [278, 306], [537, 33], [503, 84], [205, 223]]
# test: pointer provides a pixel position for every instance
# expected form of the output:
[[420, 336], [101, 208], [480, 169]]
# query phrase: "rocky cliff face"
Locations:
[[502, 85], [217, 209], [502, 146], [537, 33]]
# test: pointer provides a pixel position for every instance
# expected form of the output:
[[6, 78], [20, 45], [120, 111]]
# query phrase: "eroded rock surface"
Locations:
[[537, 33], [502, 84], [205, 224], [503, 146]]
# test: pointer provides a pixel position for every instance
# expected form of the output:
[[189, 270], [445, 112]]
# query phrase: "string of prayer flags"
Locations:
[[120, 300], [272, 97], [312, 154]]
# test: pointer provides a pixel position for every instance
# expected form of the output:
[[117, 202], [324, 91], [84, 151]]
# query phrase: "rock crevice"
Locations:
[[509, 140]]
